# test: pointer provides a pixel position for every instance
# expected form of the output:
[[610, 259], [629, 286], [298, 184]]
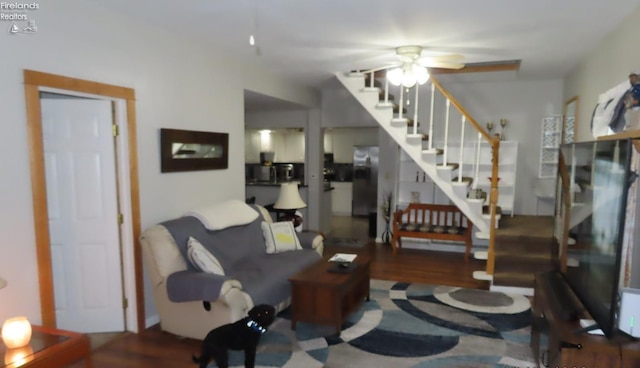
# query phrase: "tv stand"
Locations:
[[568, 345]]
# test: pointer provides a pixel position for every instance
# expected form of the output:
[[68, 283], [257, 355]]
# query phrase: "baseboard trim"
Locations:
[[152, 320], [427, 244]]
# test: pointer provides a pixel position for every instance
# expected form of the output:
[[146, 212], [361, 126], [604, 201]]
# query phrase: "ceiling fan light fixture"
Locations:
[[395, 76], [409, 78], [421, 73]]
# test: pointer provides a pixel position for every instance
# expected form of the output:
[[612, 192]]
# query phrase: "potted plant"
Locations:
[[386, 215]]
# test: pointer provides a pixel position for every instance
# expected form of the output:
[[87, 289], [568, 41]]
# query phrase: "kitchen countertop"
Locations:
[[277, 184]]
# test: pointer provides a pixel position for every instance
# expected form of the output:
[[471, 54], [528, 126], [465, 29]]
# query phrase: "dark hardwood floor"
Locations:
[[153, 348]]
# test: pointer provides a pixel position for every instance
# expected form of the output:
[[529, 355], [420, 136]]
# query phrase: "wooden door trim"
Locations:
[[33, 81]]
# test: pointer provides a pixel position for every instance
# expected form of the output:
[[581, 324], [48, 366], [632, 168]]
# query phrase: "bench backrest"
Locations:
[[434, 214]]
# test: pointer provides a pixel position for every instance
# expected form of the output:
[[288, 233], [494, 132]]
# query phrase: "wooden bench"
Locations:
[[431, 221]]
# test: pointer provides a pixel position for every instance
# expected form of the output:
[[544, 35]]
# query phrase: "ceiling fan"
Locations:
[[412, 66]]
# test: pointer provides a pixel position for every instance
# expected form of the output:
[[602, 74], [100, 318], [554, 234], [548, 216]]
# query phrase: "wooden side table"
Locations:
[[48, 348]]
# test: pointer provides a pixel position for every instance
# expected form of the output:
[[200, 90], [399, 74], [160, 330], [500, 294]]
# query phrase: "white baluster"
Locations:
[[433, 96], [386, 91], [593, 164], [401, 102], [446, 134], [415, 111], [572, 178], [371, 79], [616, 158], [461, 149], [477, 173]]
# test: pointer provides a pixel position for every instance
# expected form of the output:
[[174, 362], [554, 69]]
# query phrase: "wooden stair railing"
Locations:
[[493, 196], [566, 215]]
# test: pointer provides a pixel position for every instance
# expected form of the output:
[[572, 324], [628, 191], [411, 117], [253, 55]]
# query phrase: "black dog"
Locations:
[[241, 335]]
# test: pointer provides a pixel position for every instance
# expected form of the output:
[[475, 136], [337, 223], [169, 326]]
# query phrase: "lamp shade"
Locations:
[[289, 198], [3, 283], [16, 332]]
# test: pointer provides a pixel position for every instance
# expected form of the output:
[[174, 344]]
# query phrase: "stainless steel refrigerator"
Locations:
[[365, 180]]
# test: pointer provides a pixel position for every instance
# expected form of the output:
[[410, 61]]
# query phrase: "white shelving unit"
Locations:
[[550, 141], [415, 186], [429, 193]]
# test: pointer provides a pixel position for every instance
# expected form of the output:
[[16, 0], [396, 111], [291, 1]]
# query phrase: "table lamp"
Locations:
[[16, 332], [289, 200]]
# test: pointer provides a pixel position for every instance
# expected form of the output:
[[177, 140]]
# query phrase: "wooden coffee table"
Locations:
[[48, 348], [323, 297]]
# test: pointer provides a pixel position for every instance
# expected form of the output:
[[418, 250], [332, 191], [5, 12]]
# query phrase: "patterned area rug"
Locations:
[[408, 325], [344, 242]]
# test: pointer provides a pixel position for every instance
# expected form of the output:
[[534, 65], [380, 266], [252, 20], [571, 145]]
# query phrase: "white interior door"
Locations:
[[83, 208]]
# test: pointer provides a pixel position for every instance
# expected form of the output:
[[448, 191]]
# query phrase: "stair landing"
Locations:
[[524, 246], [529, 226]]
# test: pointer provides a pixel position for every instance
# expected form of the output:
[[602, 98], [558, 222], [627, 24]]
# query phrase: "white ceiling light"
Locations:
[[408, 75], [410, 71]]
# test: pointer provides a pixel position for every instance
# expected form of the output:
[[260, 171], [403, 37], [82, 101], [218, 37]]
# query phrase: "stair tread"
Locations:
[[486, 211], [465, 179], [452, 165]]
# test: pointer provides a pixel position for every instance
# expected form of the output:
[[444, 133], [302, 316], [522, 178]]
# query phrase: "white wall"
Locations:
[[341, 109], [178, 84], [602, 68]]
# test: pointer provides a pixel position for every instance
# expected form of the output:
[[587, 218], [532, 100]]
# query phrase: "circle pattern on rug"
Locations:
[[436, 326]]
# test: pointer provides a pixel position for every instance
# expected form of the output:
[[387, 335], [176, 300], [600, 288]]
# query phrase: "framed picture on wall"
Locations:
[[190, 150]]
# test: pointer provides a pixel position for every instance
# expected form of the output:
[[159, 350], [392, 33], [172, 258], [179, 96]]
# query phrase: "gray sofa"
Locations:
[[190, 303]]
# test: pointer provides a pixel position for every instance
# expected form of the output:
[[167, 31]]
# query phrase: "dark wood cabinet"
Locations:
[[565, 346]]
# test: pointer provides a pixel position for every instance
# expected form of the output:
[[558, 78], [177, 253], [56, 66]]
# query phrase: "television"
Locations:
[[598, 174]]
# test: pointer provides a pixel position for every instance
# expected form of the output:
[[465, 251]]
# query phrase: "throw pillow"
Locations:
[[280, 237], [202, 259]]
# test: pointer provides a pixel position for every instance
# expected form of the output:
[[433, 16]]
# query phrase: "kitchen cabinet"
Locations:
[[341, 198], [293, 147], [252, 147], [287, 144], [343, 147], [340, 141], [328, 142]]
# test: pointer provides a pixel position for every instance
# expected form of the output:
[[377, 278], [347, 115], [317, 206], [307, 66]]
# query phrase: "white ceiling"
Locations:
[[308, 41]]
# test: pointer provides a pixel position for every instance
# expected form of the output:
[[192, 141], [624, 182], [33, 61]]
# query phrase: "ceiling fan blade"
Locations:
[[446, 57], [444, 65]]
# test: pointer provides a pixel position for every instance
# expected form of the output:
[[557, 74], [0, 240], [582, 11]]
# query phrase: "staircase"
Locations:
[[431, 160], [436, 163]]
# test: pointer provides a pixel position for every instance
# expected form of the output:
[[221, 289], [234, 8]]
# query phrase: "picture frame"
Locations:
[[190, 150]]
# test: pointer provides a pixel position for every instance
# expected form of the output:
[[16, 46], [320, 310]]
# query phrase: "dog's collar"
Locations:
[[255, 326]]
